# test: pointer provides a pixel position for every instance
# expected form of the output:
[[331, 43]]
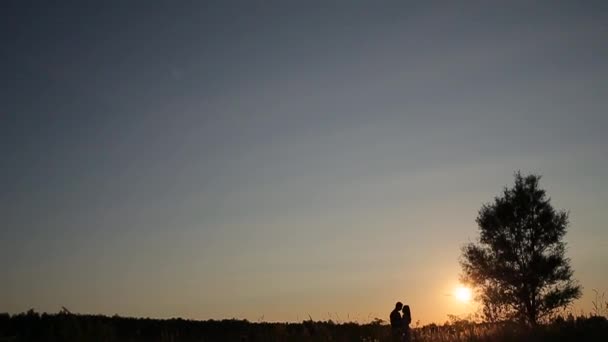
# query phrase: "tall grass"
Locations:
[[65, 326]]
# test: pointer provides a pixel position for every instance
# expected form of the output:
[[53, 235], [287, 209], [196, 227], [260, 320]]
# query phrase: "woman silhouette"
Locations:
[[407, 319]]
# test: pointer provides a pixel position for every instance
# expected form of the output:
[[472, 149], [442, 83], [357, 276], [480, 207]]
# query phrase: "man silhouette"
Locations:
[[396, 322]]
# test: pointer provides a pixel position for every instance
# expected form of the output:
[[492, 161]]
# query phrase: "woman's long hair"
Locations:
[[407, 315]]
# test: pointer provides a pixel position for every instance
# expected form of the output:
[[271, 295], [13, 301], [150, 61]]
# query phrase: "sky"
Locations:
[[275, 160]]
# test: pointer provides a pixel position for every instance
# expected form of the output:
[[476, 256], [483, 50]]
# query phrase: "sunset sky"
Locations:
[[272, 160]]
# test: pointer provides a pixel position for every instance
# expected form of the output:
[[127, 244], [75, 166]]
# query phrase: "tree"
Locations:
[[518, 266]]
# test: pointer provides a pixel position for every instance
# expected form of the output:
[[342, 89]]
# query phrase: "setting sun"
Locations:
[[463, 294]]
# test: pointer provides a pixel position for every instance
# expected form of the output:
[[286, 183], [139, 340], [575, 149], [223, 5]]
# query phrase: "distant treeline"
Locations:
[[32, 326], [65, 326]]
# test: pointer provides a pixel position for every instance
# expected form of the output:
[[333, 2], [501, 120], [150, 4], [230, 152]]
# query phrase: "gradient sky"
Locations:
[[275, 159]]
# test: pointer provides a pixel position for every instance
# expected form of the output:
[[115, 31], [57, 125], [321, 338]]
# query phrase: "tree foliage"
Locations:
[[518, 265]]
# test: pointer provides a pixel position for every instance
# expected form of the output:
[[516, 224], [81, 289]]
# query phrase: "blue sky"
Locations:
[[248, 159]]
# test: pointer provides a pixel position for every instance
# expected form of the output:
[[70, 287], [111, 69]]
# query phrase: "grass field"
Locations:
[[32, 326]]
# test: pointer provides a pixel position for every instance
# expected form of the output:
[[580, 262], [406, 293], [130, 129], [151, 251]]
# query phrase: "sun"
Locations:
[[463, 294]]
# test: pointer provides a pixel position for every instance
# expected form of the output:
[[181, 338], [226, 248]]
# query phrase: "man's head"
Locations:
[[398, 306]]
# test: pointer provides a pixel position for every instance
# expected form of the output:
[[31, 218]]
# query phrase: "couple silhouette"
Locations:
[[401, 317]]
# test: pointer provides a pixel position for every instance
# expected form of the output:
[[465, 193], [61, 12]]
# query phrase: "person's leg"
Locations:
[[396, 335]]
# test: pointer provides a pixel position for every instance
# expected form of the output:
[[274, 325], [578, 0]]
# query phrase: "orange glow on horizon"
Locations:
[[463, 294]]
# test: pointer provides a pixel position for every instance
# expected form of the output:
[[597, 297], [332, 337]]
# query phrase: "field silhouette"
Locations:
[[65, 326]]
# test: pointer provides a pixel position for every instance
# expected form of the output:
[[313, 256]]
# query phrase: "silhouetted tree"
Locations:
[[518, 266]]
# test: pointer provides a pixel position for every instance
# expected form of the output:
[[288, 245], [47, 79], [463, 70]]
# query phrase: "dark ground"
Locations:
[[32, 326]]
